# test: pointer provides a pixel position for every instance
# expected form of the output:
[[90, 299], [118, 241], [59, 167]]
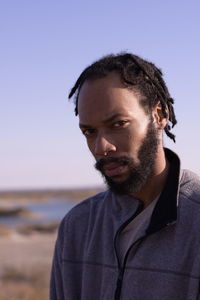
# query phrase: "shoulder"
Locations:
[[78, 223], [83, 211], [190, 186], [89, 203], [189, 203]]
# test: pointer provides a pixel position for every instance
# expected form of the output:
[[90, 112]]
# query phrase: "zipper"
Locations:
[[121, 268], [119, 284]]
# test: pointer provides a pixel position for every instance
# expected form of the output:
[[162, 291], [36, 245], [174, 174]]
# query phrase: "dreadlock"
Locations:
[[136, 73]]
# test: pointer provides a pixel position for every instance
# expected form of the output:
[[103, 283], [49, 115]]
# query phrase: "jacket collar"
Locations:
[[165, 211]]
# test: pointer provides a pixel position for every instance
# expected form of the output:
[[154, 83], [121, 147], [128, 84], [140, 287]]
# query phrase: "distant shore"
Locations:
[[27, 250], [21, 196]]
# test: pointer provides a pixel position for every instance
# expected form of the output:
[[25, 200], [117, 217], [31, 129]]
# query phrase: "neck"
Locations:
[[156, 181]]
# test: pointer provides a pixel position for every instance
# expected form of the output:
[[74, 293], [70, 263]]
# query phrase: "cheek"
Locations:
[[132, 141], [91, 146]]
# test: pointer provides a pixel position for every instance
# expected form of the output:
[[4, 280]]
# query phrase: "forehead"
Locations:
[[103, 97]]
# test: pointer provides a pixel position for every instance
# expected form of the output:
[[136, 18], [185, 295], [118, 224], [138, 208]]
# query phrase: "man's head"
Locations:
[[123, 106]]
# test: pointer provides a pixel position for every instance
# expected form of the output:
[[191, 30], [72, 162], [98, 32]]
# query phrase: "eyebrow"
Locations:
[[106, 121]]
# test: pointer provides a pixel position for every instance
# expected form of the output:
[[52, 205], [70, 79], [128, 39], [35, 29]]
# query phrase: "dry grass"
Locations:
[[50, 227], [26, 265], [26, 251], [17, 284], [4, 230], [15, 212]]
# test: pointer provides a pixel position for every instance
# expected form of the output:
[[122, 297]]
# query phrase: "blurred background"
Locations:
[[44, 47], [45, 166]]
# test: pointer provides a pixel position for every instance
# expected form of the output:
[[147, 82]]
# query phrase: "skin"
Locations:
[[114, 123]]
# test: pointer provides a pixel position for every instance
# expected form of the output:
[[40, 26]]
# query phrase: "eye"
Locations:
[[120, 123], [88, 132]]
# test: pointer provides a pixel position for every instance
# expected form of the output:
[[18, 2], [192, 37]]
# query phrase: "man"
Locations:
[[140, 239]]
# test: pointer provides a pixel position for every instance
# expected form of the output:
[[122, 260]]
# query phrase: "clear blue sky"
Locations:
[[44, 47]]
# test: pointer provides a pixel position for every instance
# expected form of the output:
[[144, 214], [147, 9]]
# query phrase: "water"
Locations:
[[52, 210]]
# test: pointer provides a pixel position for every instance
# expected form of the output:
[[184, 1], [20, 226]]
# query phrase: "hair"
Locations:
[[136, 73]]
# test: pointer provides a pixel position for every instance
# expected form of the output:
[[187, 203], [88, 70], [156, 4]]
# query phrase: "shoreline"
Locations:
[[26, 250]]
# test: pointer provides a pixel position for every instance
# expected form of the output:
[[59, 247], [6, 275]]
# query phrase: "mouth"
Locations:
[[114, 169]]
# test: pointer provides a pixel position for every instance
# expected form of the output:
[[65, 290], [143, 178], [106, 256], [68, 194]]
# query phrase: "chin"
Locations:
[[117, 178]]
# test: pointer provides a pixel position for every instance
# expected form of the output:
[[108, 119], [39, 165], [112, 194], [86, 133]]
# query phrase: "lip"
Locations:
[[113, 169]]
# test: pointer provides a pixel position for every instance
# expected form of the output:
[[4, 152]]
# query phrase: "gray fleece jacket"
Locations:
[[163, 264]]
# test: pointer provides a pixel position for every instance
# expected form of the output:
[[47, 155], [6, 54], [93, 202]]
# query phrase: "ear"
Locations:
[[158, 116]]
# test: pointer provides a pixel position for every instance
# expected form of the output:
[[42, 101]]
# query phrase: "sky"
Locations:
[[45, 45]]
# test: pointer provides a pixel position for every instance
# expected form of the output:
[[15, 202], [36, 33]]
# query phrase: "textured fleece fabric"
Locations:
[[134, 230], [163, 264]]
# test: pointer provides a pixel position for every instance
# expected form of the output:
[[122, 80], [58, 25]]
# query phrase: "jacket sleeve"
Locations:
[[56, 282]]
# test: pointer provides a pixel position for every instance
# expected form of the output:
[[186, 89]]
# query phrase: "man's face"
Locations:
[[120, 135]]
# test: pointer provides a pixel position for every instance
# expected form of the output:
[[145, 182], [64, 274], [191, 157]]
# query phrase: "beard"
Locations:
[[138, 172]]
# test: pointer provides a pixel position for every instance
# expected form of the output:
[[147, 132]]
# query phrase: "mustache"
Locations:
[[123, 160]]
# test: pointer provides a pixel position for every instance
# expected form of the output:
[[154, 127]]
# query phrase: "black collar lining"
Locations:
[[165, 211]]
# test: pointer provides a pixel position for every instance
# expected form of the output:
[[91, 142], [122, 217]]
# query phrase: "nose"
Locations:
[[103, 146]]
